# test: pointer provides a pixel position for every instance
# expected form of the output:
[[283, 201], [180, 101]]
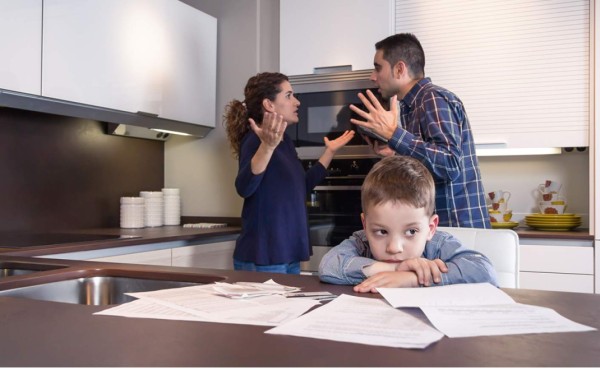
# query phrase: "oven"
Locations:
[[334, 206], [324, 110]]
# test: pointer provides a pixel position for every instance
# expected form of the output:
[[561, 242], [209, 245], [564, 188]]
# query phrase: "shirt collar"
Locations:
[[410, 97]]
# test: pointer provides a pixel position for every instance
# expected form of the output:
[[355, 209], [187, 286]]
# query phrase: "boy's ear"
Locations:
[[433, 224], [362, 219]]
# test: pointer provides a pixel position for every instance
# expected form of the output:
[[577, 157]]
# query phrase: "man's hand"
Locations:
[[427, 271], [379, 120], [382, 150]]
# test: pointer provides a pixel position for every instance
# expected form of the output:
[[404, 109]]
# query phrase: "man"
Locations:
[[434, 129]]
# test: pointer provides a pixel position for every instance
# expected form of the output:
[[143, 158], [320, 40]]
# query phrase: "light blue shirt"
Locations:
[[344, 263]]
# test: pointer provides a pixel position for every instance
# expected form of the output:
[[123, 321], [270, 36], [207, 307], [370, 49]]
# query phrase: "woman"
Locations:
[[271, 178]]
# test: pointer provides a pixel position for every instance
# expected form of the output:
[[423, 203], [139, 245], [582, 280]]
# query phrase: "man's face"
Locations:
[[383, 76], [397, 231]]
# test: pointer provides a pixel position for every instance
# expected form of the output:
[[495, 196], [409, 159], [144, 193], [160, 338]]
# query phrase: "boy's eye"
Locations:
[[412, 232], [380, 232]]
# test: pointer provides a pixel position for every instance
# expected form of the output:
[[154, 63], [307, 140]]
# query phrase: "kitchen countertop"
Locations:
[[149, 235], [42, 333], [199, 236]]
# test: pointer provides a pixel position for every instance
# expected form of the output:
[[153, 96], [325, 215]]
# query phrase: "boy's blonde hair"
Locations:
[[399, 179]]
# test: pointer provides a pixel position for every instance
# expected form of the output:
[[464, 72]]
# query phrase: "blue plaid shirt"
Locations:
[[434, 129]]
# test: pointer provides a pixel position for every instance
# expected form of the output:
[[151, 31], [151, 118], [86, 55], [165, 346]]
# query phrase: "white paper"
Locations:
[[203, 304], [448, 295], [363, 320], [464, 321]]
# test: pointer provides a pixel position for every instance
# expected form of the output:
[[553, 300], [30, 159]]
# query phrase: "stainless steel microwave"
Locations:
[[324, 111]]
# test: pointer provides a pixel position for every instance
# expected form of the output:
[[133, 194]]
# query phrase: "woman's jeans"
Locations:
[[284, 268]]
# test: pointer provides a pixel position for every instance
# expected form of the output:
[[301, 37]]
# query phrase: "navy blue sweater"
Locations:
[[274, 218]]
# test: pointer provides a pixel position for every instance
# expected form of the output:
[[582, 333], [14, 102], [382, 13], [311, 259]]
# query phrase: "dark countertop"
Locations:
[[178, 233], [42, 333], [147, 235]]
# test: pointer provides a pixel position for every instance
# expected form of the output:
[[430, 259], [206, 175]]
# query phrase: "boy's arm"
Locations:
[[344, 265], [464, 265]]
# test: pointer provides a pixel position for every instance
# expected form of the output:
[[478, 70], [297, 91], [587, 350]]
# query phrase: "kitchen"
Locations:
[[54, 171]]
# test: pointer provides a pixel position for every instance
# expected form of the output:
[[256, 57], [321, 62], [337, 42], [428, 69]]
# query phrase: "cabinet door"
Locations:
[[96, 53], [151, 56], [21, 45], [213, 255], [160, 257], [557, 267], [190, 84], [316, 33]]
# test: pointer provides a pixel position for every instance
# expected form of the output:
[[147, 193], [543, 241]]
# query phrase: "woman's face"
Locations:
[[286, 104]]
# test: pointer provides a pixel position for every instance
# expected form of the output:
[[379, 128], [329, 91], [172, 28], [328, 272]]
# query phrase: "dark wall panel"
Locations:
[[64, 173]]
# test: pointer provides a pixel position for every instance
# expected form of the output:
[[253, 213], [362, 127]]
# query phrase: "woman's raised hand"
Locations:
[[336, 144], [271, 130]]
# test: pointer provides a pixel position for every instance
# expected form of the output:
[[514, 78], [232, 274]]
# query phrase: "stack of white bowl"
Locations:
[[153, 215], [172, 206], [132, 212]]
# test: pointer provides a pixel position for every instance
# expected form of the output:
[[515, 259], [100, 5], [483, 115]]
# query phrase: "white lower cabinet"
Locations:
[[217, 255], [160, 257], [566, 268], [213, 255]]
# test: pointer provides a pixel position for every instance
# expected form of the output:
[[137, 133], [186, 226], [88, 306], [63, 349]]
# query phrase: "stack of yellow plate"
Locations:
[[564, 222]]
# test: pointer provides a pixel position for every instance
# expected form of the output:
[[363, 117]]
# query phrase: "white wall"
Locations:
[[204, 169], [521, 175]]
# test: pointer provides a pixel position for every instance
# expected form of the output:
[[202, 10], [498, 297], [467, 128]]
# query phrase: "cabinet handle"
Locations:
[[147, 113]]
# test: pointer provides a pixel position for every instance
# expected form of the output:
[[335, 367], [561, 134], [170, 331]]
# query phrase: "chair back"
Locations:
[[501, 246]]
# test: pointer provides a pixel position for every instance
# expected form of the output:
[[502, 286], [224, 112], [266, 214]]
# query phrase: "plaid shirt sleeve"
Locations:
[[439, 145]]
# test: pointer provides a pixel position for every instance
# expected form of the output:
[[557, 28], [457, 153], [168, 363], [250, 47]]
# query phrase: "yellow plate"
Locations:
[[553, 219], [553, 222], [547, 216], [553, 228], [504, 225]]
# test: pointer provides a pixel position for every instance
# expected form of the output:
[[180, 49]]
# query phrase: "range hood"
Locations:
[[142, 125]]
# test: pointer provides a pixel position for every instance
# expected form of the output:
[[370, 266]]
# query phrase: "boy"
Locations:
[[399, 245]]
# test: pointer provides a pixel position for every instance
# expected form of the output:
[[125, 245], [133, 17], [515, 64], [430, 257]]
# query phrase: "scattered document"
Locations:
[[203, 303], [249, 290], [468, 310], [363, 320], [465, 321], [447, 295]]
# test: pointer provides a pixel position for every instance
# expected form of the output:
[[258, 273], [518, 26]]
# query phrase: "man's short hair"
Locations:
[[404, 47], [399, 179]]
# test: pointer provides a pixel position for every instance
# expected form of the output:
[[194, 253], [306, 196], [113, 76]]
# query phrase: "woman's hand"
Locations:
[[340, 141], [271, 130]]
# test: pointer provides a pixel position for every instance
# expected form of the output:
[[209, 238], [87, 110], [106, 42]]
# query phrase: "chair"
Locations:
[[501, 246]]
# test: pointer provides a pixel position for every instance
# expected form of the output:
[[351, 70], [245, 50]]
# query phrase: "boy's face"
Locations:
[[397, 231]]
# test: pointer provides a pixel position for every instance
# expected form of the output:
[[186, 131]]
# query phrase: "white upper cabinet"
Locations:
[[21, 45], [522, 68], [152, 56], [317, 33]]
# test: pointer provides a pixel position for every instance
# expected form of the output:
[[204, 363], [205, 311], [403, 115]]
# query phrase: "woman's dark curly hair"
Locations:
[[264, 85]]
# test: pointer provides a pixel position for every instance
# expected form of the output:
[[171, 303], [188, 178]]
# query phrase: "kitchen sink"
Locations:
[[99, 290], [8, 269]]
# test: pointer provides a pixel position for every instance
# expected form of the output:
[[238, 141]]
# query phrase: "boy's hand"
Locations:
[[428, 271], [388, 279]]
